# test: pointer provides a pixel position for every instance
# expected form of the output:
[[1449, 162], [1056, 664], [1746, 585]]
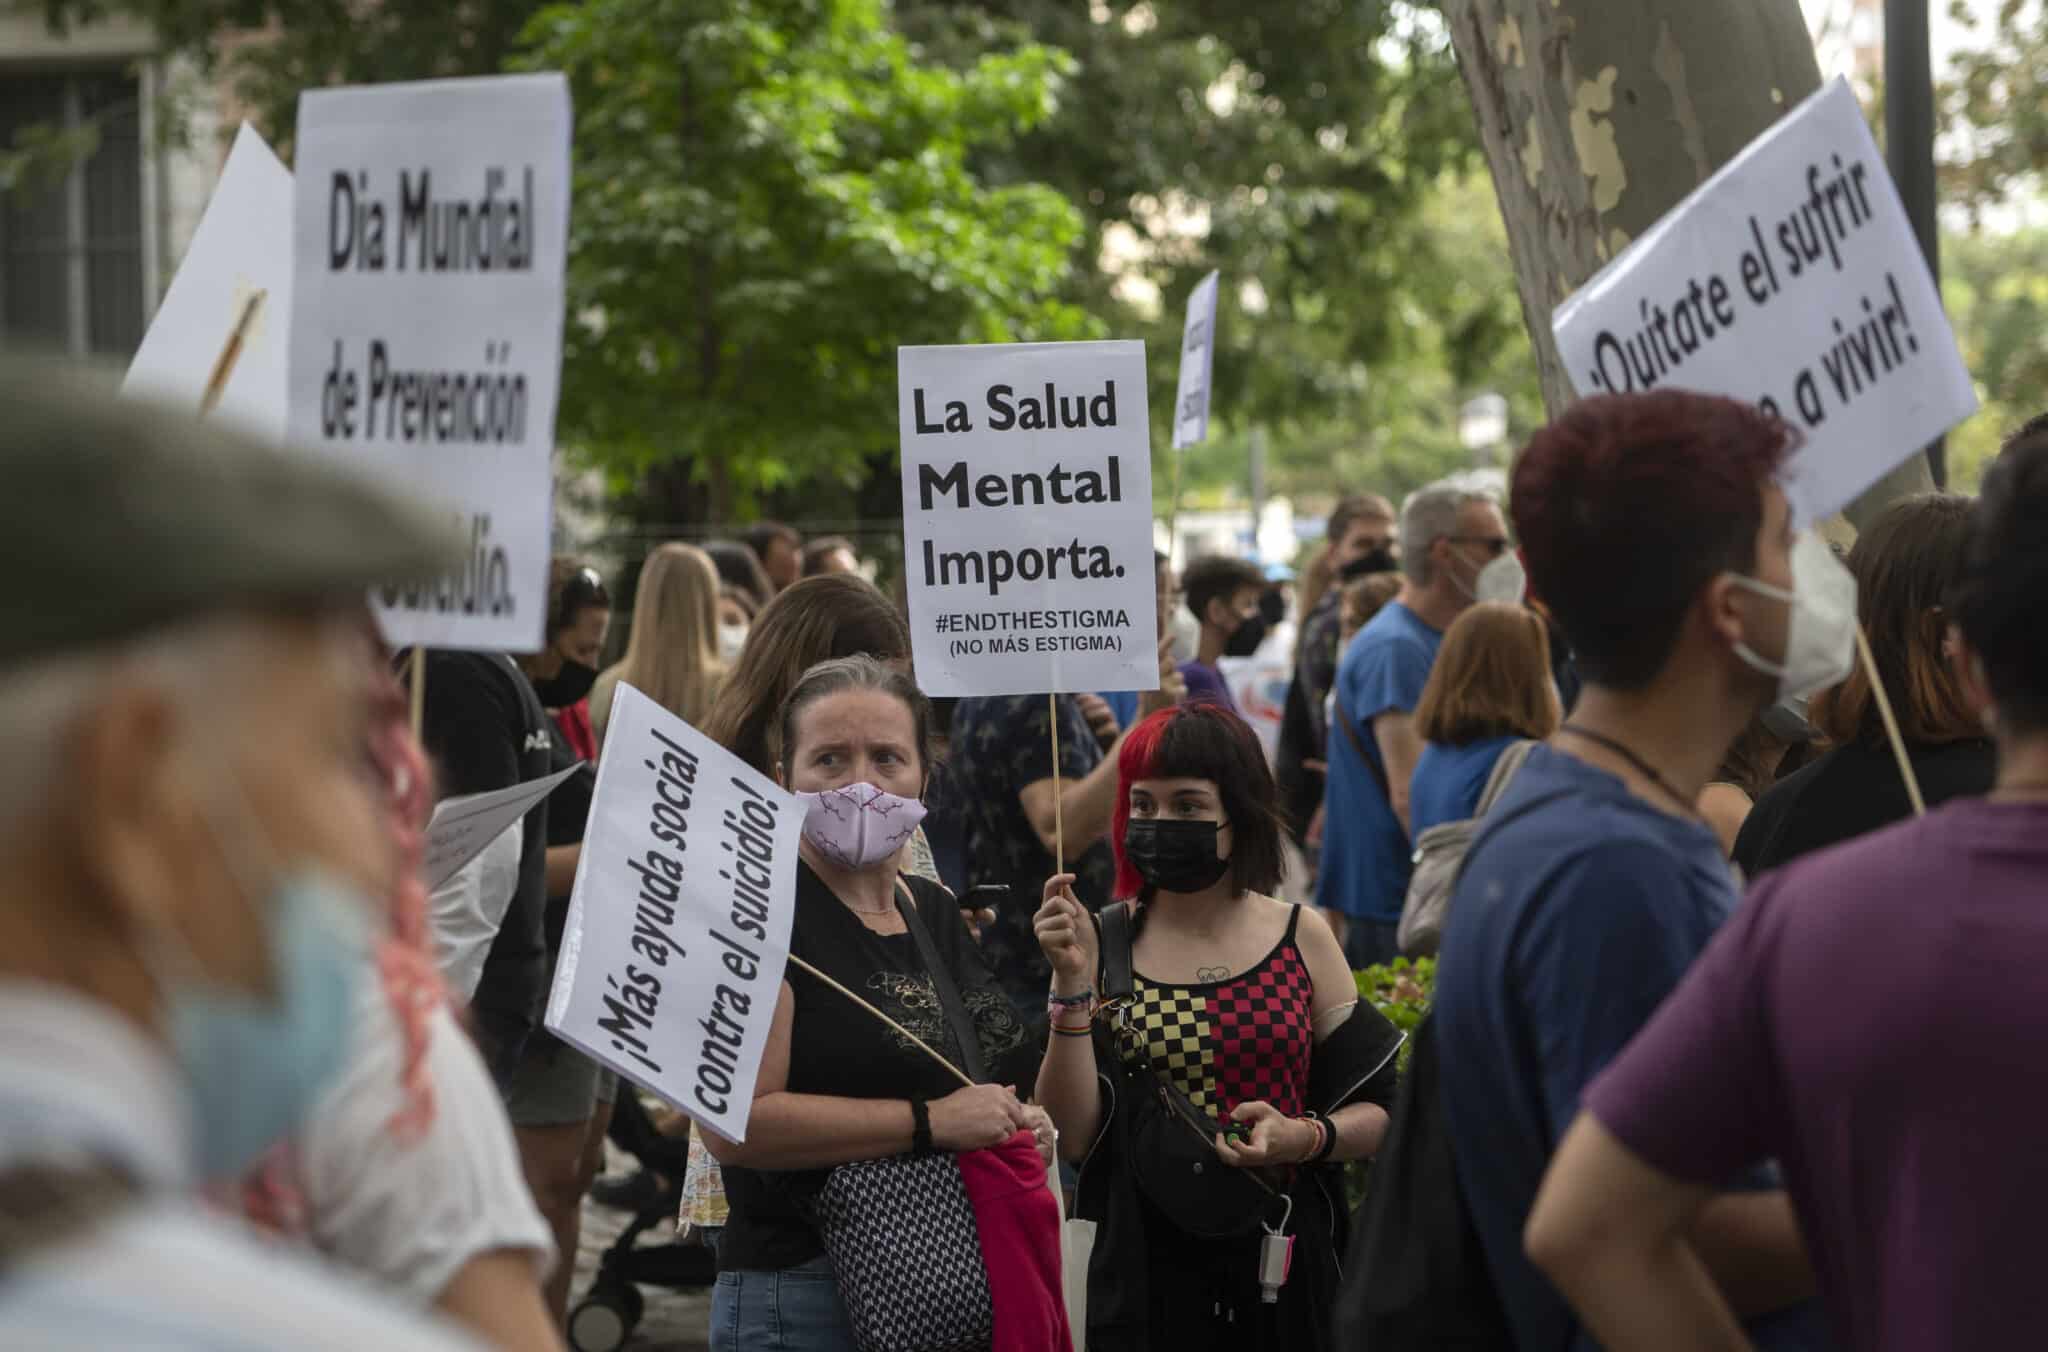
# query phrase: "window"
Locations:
[[71, 247]]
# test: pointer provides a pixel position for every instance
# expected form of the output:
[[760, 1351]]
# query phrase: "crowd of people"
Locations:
[[260, 1085]]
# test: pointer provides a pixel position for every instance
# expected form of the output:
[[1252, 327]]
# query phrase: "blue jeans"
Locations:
[[1371, 942], [795, 1310]]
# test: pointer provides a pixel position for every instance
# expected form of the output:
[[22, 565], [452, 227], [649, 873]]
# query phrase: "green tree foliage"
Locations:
[[1995, 141], [770, 197], [1461, 333], [1291, 146], [1994, 150], [269, 50], [1995, 287], [771, 194]]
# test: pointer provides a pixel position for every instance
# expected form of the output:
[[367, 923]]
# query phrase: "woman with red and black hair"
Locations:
[[1211, 1065]]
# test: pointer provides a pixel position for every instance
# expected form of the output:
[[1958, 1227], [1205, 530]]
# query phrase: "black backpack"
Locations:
[[1415, 1275]]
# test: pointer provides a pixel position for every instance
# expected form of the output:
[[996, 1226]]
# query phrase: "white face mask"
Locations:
[[1820, 635], [1504, 579], [731, 638]]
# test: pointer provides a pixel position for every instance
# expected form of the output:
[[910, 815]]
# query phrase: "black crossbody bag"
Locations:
[[1169, 1143]]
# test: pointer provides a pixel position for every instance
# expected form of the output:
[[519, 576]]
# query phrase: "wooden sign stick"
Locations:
[[230, 353]]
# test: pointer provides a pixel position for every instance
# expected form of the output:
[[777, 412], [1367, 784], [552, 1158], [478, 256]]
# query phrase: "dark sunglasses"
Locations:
[[1496, 545]]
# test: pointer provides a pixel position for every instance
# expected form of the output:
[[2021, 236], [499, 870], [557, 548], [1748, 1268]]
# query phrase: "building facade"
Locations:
[[88, 242]]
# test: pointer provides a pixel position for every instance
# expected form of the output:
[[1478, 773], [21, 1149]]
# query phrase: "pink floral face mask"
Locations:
[[859, 826]]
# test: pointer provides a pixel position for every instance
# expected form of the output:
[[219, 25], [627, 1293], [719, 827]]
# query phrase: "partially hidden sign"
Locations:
[[462, 827], [678, 931], [235, 283], [1790, 279], [431, 228], [1197, 365], [1027, 518]]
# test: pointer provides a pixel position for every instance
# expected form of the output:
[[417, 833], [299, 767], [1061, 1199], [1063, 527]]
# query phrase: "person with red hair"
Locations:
[[1653, 529], [1214, 1103]]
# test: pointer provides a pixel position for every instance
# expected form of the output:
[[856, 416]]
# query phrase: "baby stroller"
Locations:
[[612, 1308]]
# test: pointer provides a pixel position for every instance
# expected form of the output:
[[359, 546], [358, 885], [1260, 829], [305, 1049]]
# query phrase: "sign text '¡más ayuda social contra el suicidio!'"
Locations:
[[1058, 486]]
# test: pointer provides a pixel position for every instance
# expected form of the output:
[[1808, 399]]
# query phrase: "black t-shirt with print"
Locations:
[[1000, 744], [840, 1050], [485, 729]]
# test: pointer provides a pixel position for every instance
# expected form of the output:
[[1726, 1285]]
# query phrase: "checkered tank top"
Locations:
[[1240, 1040]]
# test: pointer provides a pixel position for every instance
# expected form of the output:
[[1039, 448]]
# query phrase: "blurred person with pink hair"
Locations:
[[406, 1170]]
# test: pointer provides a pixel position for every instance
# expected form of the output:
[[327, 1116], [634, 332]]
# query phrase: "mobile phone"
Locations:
[[985, 897]]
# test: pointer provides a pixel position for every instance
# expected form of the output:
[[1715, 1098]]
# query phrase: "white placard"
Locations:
[[427, 325], [1197, 362], [1027, 518], [678, 931], [243, 246], [461, 827], [1790, 278]]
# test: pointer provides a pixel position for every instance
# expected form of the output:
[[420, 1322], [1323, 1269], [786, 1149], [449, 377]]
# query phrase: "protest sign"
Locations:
[[1790, 279], [461, 827], [240, 256], [1259, 686], [678, 931], [1027, 517], [426, 336], [1197, 360]]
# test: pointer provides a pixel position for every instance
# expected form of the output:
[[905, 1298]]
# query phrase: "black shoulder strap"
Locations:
[[942, 981], [1378, 771], [1118, 933]]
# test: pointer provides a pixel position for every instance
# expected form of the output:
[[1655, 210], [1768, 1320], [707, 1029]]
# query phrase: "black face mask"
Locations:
[[1246, 638], [566, 686], [1174, 856], [1380, 560]]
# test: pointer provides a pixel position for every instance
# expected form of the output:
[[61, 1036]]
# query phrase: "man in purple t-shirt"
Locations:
[[1873, 1019], [1223, 595]]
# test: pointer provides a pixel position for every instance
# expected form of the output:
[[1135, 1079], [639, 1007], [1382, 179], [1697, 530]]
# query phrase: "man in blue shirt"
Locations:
[[1448, 533], [1652, 529]]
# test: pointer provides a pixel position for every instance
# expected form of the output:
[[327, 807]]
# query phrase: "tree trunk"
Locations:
[[1598, 117]]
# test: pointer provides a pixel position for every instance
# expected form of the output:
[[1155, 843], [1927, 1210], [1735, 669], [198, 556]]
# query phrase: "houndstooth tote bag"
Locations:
[[907, 1255], [905, 1249]]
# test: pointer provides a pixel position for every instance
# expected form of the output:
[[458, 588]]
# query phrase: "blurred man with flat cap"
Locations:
[[188, 837]]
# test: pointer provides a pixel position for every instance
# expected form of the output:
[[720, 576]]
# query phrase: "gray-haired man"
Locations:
[[1448, 534], [188, 833]]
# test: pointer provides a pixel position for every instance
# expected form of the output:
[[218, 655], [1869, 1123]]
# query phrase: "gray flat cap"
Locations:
[[120, 516]]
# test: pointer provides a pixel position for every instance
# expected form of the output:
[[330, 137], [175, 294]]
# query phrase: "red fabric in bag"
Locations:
[[1020, 1244]]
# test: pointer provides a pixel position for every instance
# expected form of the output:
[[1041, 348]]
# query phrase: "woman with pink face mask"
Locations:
[[836, 1084]]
